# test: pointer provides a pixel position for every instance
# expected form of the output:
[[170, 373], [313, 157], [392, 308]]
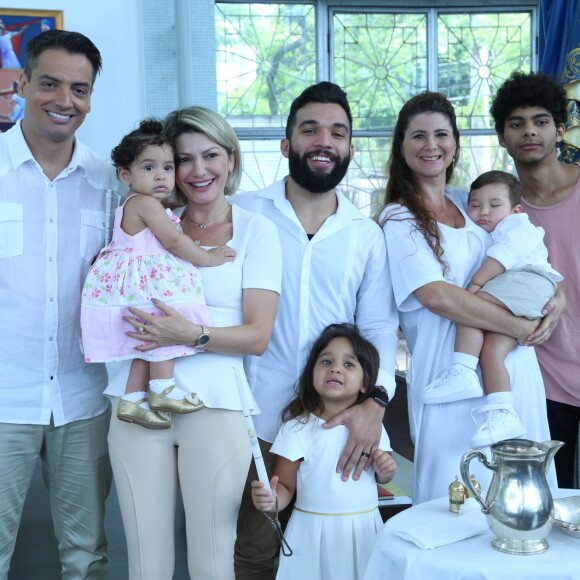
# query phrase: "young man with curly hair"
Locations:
[[529, 112]]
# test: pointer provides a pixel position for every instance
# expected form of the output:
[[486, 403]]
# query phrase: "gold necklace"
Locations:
[[210, 222]]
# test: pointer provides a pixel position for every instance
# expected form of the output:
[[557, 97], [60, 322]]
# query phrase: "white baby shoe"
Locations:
[[496, 423], [453, 383]]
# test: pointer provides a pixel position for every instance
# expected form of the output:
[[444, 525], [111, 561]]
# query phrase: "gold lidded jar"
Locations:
[[476, 487], [456, 495]]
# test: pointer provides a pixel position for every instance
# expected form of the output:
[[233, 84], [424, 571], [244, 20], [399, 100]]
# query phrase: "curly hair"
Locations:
[[149, 132], [528, 90], [402, 185], [307, 399]]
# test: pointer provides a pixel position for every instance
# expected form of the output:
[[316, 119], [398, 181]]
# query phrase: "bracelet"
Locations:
[[275, 523]]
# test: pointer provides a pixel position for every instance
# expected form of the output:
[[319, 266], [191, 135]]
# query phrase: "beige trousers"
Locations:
[[208, 454]]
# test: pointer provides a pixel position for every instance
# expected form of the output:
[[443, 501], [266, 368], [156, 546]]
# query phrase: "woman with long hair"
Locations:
[[433, 250]]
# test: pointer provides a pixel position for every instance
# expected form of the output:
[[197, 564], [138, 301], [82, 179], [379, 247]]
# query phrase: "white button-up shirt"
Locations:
[[49, 233], [517, 243], [340, 275]]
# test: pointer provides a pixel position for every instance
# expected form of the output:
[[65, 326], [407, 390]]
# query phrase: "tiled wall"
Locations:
[[160, 41]]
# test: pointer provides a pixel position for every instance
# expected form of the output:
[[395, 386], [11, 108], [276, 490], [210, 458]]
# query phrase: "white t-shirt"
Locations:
[[258, 264]]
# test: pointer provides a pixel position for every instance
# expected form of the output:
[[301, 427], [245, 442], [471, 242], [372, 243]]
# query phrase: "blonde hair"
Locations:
[[214, 127]]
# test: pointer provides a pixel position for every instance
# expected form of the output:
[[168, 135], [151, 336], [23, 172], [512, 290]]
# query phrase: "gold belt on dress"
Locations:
[[344, 514]]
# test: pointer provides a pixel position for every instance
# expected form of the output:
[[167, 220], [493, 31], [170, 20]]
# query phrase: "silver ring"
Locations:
[[141, 329], [365, 454]]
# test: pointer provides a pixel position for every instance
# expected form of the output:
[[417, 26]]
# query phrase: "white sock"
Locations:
[[465, 360], [503, 398], [136, 397], [159, 385]]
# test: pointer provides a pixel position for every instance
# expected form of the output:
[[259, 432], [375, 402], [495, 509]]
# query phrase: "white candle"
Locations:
[[256, 451]]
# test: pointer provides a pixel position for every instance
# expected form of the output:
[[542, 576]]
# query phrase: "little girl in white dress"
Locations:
[[149, 258], [334, 524]]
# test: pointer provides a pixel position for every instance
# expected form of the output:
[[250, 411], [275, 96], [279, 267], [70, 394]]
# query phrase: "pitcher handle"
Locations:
[[464, 469]]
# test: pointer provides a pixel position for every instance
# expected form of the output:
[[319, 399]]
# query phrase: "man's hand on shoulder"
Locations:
[[364, 423]]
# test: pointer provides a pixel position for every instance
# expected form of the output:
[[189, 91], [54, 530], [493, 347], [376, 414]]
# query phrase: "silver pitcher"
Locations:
[[519, 503]]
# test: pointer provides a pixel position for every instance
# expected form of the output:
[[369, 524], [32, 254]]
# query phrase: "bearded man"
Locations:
[[334, 270]]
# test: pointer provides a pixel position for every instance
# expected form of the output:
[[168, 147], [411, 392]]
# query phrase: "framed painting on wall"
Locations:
[[17, 27]]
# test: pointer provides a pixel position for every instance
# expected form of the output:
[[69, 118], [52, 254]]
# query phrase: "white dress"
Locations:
[[441, 433], [336, 541]]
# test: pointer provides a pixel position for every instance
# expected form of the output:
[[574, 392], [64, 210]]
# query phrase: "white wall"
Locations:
[[116, 28]]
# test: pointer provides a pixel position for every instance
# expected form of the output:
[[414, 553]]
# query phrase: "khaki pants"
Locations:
[[208, 454], [77, 473]]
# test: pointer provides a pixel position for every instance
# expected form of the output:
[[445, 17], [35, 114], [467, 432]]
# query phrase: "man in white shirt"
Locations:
[[54, 198], [334, 270]]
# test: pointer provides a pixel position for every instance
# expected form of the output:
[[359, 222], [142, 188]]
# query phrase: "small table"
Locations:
[[470, 559]]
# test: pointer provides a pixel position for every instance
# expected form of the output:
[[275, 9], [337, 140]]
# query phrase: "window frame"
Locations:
[[325, 11], [365, 180]]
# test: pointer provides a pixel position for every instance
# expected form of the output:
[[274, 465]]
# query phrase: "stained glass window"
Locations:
[[268, 52]]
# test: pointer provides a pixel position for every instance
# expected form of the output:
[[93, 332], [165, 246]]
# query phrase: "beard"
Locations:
[[316, 181]]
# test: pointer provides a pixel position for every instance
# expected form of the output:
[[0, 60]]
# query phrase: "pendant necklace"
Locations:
[[206, 224]]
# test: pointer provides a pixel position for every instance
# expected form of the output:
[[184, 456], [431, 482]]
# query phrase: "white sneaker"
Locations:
[[453, 383], [499, 422]]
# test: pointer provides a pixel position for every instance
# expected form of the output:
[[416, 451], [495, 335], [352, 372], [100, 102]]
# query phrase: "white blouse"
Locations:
[[258, 264]]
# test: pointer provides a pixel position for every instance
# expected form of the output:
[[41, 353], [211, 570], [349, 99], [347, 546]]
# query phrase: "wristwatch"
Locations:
[[380, 395], [203, 338]]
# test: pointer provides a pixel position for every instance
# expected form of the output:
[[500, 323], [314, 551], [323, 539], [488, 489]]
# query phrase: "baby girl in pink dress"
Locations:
[[149, 258]]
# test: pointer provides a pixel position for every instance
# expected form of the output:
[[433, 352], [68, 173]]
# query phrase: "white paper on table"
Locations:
[[429, 530], [394, 500]]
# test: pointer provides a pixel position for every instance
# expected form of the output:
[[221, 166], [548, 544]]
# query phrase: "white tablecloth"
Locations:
[[471, 559]]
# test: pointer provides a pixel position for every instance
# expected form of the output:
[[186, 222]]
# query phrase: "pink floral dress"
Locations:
[[129, 272]]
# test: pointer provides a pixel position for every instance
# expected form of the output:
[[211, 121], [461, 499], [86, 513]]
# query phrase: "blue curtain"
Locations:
[[559, 55]]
